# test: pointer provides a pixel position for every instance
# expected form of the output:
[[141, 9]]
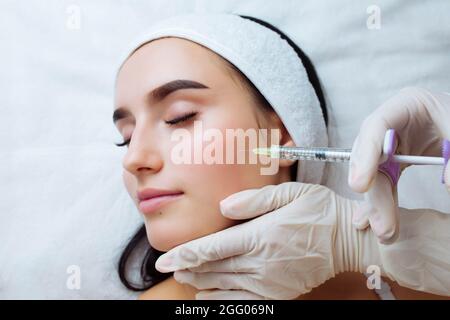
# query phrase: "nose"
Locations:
[[143, 155]]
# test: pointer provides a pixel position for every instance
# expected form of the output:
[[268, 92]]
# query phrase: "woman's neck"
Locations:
[[169, 289]]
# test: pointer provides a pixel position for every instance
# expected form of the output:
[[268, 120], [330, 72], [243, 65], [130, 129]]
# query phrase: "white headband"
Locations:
[[268, 61]]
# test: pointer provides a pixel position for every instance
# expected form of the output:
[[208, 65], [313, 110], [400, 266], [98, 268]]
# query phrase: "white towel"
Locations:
[[268, 61]]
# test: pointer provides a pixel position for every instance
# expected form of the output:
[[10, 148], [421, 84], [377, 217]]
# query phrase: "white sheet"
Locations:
[[62, 198]]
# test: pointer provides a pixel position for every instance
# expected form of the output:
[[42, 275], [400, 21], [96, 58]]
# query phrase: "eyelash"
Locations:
[[125, 143], [181, 119], [169, 122]]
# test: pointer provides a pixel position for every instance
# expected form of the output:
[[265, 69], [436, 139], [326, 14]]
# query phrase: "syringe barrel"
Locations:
[[317, 154]]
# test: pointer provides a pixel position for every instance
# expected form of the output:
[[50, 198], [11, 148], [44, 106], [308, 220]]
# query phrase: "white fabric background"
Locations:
[[62, 198]]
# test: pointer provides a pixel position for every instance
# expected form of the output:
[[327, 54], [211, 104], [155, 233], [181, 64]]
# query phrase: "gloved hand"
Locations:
[[307, 240], [421, 120]]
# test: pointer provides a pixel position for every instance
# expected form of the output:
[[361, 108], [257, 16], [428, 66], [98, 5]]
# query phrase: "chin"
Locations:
[[162, 247], [166, 234], [164, 241], [159, 244]]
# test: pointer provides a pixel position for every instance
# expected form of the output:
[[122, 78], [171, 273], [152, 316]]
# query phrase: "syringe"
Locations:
[[337, 155]]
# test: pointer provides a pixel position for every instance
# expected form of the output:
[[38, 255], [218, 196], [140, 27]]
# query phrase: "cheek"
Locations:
[[214, 182]]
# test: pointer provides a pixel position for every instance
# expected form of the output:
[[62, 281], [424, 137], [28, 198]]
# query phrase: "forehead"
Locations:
[[169, 55], [166, 59]]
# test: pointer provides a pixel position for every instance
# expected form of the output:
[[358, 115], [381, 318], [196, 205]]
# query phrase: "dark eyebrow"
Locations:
[[160, 93]]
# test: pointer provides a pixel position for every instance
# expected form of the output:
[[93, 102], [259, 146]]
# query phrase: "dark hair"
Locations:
[[149, 275]]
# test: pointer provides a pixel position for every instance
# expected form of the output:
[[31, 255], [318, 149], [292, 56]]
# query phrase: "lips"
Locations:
[[152, 199]]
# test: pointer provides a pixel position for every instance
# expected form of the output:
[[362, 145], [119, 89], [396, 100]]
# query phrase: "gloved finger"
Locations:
[[360, 219], [366, 152], [254, 202], [237, 264], [382, 209], [228, 295], [367, 149], [217, 246], [202, 281]]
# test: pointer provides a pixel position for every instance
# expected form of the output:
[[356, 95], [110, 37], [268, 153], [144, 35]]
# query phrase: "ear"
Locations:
[[285, 141]]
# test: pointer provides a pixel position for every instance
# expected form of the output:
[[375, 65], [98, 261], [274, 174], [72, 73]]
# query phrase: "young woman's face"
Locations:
[[215, 98]]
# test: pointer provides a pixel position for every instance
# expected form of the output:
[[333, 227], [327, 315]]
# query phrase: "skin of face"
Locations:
[[225, 104]]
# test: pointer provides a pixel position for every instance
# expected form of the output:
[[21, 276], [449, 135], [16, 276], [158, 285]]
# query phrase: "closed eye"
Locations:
[[181, 119], [169, 122]]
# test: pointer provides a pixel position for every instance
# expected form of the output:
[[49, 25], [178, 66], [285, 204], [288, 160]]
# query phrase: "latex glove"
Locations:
[[421, 120], [307, 240]]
